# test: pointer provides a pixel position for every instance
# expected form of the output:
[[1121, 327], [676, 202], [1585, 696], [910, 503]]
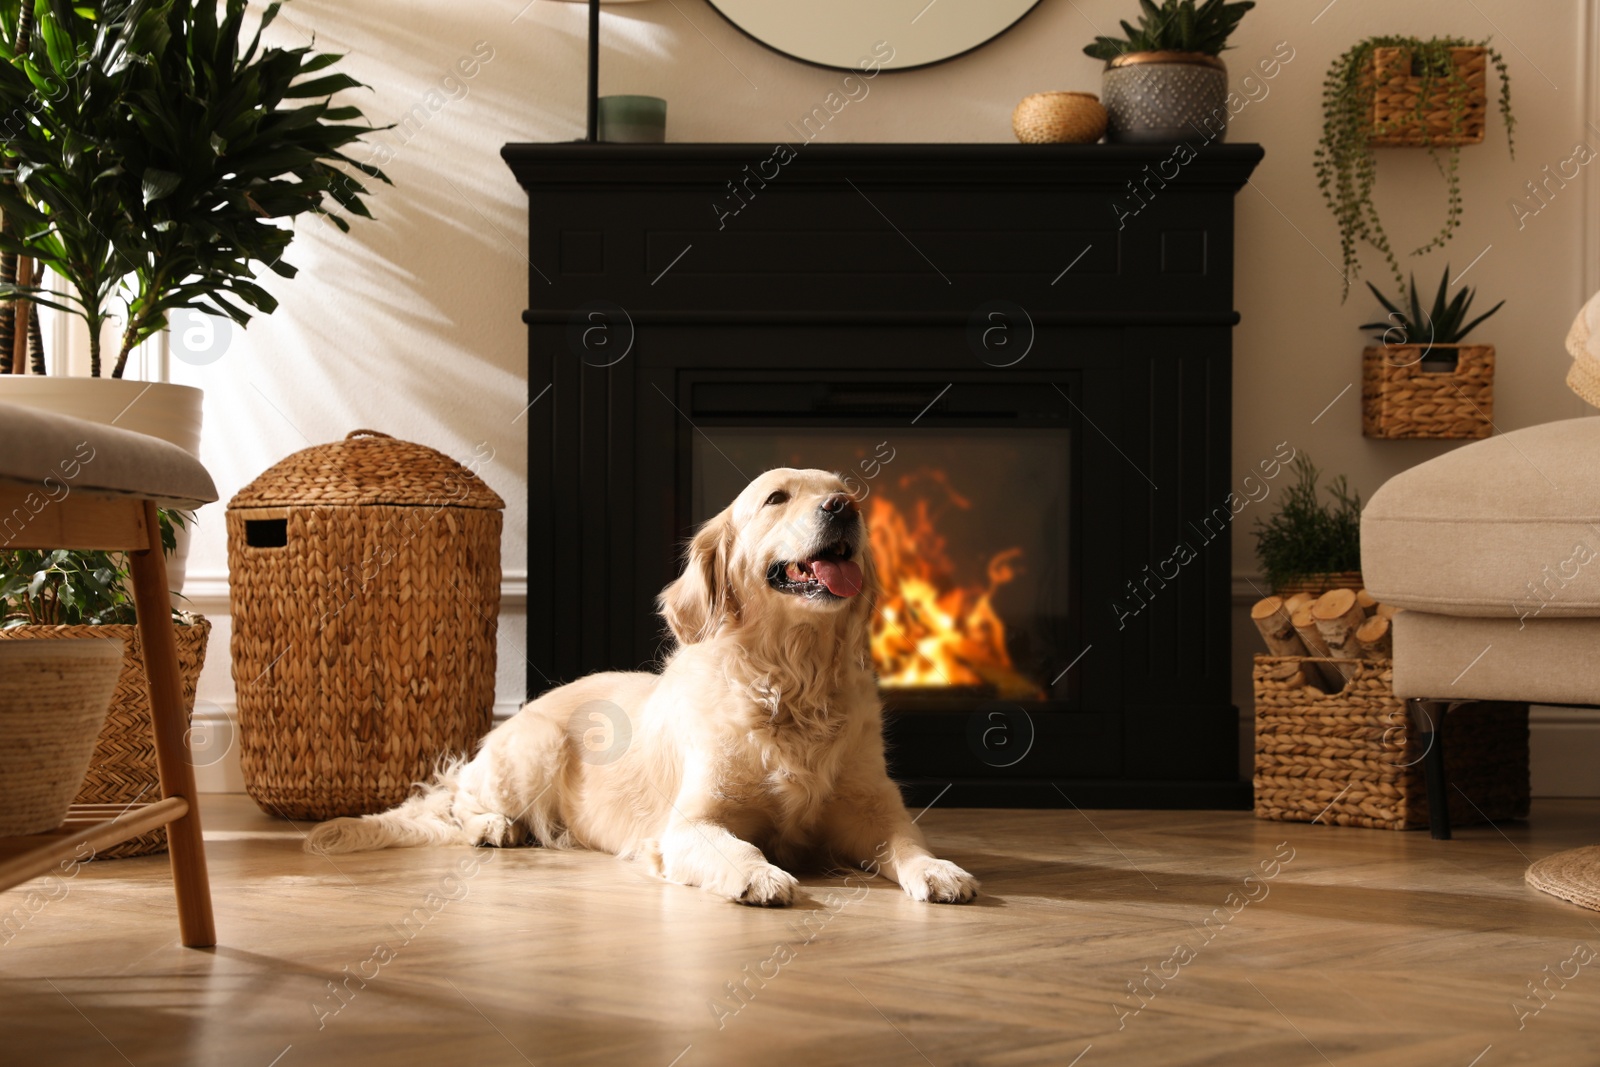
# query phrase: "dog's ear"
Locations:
[[697, 604]]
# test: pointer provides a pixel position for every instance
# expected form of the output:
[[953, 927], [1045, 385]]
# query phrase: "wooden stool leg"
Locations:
[[184, 844], [1427, 727]]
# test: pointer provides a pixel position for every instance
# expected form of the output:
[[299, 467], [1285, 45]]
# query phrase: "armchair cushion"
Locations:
[[1506, 527], [79, 456]]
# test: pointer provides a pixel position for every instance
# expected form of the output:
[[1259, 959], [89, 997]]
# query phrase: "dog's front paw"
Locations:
[[769, 886], [939, 882], [492, 829]]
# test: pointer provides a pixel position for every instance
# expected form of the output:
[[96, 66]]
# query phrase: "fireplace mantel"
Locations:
[[662, 273]]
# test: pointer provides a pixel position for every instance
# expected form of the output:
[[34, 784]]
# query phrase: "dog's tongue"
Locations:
[[841, 576]]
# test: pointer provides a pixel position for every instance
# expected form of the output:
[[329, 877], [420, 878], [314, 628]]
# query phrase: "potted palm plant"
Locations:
[[1420, 380], [1166, 80], [153, 155]]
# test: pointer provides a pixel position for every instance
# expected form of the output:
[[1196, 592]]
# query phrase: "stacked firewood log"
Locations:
[[1340, 624]]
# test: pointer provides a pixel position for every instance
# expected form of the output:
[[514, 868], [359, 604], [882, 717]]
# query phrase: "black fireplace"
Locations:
[[1025, 381]]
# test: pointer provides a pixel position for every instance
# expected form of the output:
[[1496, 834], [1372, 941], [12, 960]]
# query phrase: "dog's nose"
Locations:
[[839, 505]]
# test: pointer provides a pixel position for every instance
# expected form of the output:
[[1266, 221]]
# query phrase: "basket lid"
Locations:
[[368, 468]]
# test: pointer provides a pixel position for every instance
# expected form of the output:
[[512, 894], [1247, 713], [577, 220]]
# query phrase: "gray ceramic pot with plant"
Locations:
[[1164, 82]]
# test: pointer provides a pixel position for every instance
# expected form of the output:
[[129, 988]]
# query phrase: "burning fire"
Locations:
[[930, 630]]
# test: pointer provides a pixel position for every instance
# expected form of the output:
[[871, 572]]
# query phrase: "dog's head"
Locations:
[[792, 547]]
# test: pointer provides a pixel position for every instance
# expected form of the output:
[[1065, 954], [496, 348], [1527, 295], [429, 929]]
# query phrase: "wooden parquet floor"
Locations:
[[1101, 938]]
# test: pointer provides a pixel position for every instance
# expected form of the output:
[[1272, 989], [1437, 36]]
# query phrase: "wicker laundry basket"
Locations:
[[1348, 757], [366, 592], [123, 769]]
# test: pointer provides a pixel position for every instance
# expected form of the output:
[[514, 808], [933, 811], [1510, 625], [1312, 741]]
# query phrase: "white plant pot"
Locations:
[[160, 409]]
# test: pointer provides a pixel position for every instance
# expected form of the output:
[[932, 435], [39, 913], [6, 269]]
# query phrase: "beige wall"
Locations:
[[410, 324]]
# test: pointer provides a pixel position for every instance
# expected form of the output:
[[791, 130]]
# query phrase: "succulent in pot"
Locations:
[[1165, 81], [1421, 379]]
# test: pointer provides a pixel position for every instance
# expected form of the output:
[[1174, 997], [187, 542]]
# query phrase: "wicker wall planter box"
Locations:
[[1402, 400], [366, 596], [1394, 101], [123, 768], [1348, 758]]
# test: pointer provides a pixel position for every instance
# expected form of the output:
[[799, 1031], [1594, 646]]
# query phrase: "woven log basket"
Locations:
[[123, 768], [1348, 758], [1402, 400], [1454, 113], [366, 593]]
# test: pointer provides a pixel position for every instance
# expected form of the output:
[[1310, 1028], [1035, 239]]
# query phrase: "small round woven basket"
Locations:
[[1059, 118], [123, 768], [365, 581], [52, 703]]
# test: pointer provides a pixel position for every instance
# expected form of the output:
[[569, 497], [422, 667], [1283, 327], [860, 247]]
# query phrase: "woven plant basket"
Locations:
[[366, 593], [1348, 757], [1059, 118], [123, 770], [1394, 101], [1317, 584], [52, 703], [1401, 400]]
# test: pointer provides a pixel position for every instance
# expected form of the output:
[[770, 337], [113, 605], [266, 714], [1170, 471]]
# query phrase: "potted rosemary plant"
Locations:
[[1420, 380], [1310, 545], [1401, 92], [153, 152], [1166, 80]]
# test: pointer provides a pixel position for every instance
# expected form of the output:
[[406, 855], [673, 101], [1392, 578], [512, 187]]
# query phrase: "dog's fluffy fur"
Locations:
[[759, 746]]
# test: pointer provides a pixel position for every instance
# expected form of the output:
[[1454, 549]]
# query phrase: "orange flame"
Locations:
[[931, 630]]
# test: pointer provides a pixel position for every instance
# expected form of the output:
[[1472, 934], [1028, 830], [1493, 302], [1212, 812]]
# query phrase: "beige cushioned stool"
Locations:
[[67, 483], [1494, 551]]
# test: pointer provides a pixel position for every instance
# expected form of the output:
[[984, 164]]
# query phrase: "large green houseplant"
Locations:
[[152, 156], [153, 152]]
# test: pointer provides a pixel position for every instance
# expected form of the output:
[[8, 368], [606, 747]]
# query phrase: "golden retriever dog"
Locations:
[[759, 746]]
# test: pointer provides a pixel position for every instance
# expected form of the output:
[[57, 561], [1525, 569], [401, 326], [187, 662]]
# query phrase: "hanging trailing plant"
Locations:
[[1352, 126]]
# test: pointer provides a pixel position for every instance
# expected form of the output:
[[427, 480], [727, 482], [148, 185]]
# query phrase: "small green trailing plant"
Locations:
[[1307, 535], [1445, 324], [1174, 26], [63, 587], [1346, 166]]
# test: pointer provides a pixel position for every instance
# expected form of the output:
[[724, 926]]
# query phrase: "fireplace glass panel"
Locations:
[[970, 531]]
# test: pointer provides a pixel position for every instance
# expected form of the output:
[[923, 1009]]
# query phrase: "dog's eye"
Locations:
[[778, 497]]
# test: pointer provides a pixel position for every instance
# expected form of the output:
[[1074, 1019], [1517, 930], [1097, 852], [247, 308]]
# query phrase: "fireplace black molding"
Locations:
[[896, 288]]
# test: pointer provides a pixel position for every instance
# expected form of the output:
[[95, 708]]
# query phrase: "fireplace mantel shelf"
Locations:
[[905, 162]]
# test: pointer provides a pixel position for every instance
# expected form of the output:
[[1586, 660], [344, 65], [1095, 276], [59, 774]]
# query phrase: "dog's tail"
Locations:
[[424, 818]]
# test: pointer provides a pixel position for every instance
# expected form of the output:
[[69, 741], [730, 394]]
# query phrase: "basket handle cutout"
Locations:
[[266, 533], [353, 434]]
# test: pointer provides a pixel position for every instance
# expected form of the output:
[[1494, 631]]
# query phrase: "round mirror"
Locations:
[[882, 34]]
